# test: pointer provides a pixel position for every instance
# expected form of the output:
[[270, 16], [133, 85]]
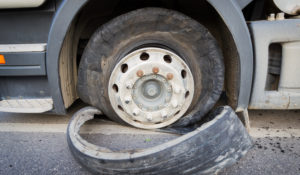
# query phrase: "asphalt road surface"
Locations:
[[36, 144]]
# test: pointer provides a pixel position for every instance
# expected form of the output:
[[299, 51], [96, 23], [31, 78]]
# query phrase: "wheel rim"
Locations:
[[151, 88]]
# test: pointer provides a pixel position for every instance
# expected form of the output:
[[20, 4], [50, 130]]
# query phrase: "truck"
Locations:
[[150, 64]]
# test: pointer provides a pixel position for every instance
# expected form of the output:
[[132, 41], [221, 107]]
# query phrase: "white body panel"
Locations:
[[26, 105], [5, 4], [39, 47], [287, 33]]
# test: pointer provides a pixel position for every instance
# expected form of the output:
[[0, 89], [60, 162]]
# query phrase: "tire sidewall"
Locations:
[[155, 27]]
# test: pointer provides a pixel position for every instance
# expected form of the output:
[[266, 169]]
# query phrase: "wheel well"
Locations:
[[96, 13]]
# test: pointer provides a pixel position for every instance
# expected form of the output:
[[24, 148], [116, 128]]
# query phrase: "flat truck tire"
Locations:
[[214, 145], [151, 68]]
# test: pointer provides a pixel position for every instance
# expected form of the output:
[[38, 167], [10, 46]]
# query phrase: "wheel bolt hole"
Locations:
[[167, 59], [124, 68], [115, 88], [183, 73], [120, 107], [144, 56], [187, 94]]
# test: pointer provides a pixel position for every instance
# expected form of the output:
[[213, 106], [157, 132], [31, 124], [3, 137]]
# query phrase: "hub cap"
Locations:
[[151, 88]]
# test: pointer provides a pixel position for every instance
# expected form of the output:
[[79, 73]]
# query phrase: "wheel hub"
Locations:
[[151, 88], [151, 92]]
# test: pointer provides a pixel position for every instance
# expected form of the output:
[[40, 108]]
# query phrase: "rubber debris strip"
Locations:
[[217, 143]]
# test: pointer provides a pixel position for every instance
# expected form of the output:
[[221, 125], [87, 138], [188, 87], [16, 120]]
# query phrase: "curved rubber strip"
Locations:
[[216, 144]]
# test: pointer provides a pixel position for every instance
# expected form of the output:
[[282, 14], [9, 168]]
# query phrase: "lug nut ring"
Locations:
[[151, 89]]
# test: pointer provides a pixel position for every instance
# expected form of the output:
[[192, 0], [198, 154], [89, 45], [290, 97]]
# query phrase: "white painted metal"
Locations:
[[291, 7], [40, 47], [136, 112], [290, 72], [26, 105], [264, 33], [4, 4]]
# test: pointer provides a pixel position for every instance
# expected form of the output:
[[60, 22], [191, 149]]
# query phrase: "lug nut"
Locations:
[[170, 76], [164, 114], [127, 100], [169, 89], [174, 103], [139, 73], [155, 70], [149, 117], [177, 89], [136, 112], [128, 85]]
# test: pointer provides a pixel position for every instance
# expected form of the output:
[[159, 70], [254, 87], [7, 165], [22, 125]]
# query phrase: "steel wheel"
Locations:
[[151, 88]]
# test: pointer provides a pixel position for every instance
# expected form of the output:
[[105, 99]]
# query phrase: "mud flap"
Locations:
[[216, 144]]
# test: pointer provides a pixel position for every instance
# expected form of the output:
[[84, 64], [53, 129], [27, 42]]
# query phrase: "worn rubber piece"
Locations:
[[152, 27], [216, 144]]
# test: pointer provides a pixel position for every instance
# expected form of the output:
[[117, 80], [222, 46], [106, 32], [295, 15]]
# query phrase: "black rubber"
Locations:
[[216, 144], [153, 27]]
